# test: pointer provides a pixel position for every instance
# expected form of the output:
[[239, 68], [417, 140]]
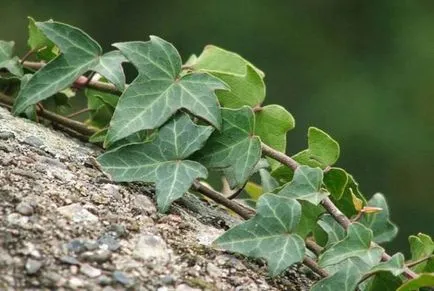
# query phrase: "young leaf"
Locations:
[[305, 185], [269, 234], [159, 90], [12, 64], [336, 180], [45, 49], [355, 244], [384, 230], [272, 124], [345, 202], [245, 81], [235, 149], [80, 53], [424, 280], [163, 160], [322, 150], [422, 246]]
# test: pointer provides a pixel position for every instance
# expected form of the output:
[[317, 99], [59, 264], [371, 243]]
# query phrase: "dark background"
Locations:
[[363, 71]]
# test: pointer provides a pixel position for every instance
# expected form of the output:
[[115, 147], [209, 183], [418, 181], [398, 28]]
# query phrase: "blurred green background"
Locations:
[[363, 71]]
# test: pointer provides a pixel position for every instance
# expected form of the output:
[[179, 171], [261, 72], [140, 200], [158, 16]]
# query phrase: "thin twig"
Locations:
[[315, 267], [242, 211], [26, 56], [417, 262], [84, 110], [278, 156]]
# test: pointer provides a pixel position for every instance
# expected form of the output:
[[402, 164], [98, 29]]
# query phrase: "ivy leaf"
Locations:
[[422, 246], [345, 202], [12, 64], [45, 49], [355, 244], [80, 53], [245, 81], [334, 231], [345, 277], [424, 280], [305, 185], [272, 124], [323, 151], [383, 281], [384, 230], [269, 234], [267, 181], [309, 217], [395, 265], [110, 66], [235, 149], [163, 160], [159, 90], [101, 105], [336, 180]]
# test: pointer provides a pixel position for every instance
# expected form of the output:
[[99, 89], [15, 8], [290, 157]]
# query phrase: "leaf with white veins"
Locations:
[[159, 90], [162, 161]]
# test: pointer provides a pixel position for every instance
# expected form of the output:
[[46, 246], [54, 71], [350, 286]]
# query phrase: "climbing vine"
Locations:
[[176, 123]]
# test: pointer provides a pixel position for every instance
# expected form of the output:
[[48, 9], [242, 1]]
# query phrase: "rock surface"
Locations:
[[63, 225]]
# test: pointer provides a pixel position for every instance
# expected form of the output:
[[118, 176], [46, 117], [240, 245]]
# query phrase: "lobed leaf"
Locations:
[[269, 234], [305, 185], [7, 61], [272, 124], [384, 230], [245, 81], [422, 246], [162, 161], [335, 180], [333, 230], [110, 66], [235, 149], [45, 49], [424, 280], [322, 151], [80, 53], [159, 90]]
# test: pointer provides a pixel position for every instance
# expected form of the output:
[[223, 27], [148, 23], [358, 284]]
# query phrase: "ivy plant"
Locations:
[[177, 122]]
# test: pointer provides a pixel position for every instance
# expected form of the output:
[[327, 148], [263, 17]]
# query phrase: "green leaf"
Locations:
[[267, 181], [159, 90], [309, 217], [272, 124], [344, 278], [323, 151], [235, 149], [245, 81], [98, 136], [424, 280], [334, 231], [12, 64], [80, 53], [422, 246], [345, 202], [383, 281], [269, 234], [379, 222], [305, 185], [45, 49], [101, 105], [336, 180], [283, 174], [355, 244], [110, 66], [162, 161], [395, 265]]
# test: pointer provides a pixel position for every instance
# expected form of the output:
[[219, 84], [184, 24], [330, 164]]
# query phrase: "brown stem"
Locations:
[[315, 267], [26, 56], [56, 118], [278, 156], [242, 211], [417, 262], [84, 110], [81, 82]]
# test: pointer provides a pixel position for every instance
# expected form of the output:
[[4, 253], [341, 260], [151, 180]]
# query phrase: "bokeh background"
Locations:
[[363, 71]]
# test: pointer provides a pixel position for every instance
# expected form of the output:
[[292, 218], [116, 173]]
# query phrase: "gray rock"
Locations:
[[5, 148], [6, 135], [108, 241], [33, 266], [77, 213], [76, 246], [104, 280], [75, 283], [90, 271], [69, 260], [168, 280], [53, 162], [143, 205], [16, 219], [98, 256], [117, 230], [185, 287], [151, 247], [24, 208], [122, 278], [33, 141]]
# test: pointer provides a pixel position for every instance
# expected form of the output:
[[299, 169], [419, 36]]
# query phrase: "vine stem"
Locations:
[[330, 207], [81, 82]]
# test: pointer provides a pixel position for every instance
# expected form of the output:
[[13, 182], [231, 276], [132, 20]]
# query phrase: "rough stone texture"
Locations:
[[64, 226]]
